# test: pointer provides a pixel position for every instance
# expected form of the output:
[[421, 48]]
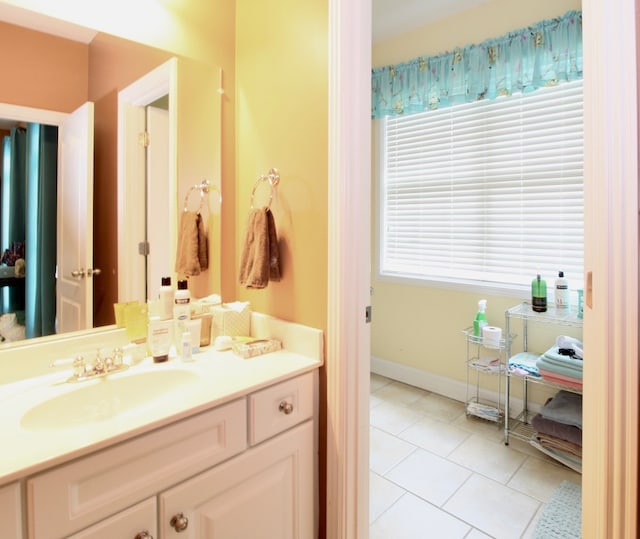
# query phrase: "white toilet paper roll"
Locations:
[[491, 336]]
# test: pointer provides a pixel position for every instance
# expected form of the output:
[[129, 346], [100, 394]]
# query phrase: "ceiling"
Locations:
[[390, 17], [393, 17], [36, 21]]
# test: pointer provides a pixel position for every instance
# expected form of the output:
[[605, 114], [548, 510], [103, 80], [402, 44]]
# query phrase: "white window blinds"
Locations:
[[489, 192]]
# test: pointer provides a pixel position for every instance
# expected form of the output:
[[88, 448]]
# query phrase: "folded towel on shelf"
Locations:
[[573, 462], [524, 363], [559, 444], [570, 433], [553, 355], [565, 407], [260, 261], [544, 364], [561, 379], [192, 254]]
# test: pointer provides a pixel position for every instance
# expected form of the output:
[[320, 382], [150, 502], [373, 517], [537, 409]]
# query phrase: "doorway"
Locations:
[[147, 179]]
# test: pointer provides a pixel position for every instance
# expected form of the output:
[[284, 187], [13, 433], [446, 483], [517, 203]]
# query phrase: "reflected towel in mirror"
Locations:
[[260, 262], [192, 256]]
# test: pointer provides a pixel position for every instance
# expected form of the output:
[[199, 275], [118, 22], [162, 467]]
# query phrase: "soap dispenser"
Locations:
[[481, 318]]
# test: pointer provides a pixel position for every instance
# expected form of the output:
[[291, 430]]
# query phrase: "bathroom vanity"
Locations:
[[218, 447]]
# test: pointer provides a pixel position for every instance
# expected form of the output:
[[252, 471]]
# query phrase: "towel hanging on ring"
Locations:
[[192, 255], [260, 261]]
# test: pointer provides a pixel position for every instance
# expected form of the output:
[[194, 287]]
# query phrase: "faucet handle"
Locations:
[[79, 366]]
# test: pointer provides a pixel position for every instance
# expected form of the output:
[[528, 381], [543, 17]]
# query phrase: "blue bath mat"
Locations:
[[562, 516]]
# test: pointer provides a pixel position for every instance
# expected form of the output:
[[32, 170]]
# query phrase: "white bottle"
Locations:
[[562, 292], [166, 299], [181, 309]]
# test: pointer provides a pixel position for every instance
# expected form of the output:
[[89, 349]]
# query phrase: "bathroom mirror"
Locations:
[[97, 67]]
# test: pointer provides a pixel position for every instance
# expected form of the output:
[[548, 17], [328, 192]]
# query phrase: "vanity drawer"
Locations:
[[89, 489], [280, 407]]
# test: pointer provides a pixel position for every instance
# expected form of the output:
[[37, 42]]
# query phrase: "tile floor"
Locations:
[[434, 473]]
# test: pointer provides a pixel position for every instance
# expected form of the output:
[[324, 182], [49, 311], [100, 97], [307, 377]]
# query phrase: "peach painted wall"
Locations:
[[42, 71], [114, 63], [420, 326], [282, 95]]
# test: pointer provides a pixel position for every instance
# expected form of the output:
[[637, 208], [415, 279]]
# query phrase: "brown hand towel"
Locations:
[[260, 261], [192, 255]]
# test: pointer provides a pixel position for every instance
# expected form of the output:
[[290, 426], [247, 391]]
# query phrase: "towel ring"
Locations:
[[273, 178], [203, 188]]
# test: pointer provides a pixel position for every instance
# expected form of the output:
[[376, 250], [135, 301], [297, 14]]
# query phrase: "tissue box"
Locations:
[[231, 319]]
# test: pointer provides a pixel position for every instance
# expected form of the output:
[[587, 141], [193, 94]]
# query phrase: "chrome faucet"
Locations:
[[99, 367]]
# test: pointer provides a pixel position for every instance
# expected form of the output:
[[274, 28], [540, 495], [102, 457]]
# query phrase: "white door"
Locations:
[[158, 200], [74, 304]]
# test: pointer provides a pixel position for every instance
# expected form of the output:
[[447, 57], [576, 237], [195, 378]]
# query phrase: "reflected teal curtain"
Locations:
[[40, 249], [14, 182], [546, 53]]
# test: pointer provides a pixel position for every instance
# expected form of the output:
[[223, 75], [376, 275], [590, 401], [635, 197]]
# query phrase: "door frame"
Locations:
[[161, 81], [610, 478]]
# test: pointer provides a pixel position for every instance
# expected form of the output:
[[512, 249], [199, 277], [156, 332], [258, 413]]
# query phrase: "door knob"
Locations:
[[78, 273], [143, 535], [179, 522], [94, 271]]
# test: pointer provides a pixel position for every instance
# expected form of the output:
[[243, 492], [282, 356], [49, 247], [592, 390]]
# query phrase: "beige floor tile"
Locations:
[[539, 478], [413, 518], [479, 426], [492, 508], [375, 401], [386, 450], [428, 476], [487, 457], [531, 528], [439, 407], [477, 534], [377, 381], [435, 436], [382, 495], [393, 418], [399, 393]]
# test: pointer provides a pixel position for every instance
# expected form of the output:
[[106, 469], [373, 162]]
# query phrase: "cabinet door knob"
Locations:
[[144, 535], [179, 522], [286, 407]]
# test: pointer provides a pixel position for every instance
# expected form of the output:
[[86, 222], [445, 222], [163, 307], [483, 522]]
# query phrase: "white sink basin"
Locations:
[[105, 398]]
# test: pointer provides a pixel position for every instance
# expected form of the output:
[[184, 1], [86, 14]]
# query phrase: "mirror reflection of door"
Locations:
[[36, 227], [157, 192]]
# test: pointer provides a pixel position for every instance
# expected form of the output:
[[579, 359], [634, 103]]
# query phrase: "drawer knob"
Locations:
[[179, 522], [286, 407], [144, 535]]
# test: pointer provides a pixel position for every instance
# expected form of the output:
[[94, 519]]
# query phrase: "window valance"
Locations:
[[544, 54]]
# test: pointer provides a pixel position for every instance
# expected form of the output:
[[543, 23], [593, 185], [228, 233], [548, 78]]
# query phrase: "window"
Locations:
[[485, 193]]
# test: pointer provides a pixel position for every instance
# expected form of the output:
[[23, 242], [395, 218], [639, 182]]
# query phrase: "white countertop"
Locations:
[[215, 378]]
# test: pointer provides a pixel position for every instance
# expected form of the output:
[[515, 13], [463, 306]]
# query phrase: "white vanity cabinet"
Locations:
[[11, 511], [246, 468]]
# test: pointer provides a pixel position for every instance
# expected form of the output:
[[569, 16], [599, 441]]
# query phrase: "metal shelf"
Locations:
[[564, 317]]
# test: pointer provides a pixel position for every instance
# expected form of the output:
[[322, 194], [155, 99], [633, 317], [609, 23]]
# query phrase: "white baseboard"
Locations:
[[442, 385]]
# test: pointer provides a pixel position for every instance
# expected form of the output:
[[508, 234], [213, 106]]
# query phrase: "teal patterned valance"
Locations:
[[544, 54]]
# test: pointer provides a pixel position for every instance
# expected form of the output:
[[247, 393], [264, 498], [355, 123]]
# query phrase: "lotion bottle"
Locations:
[[181, 309], [562, 292], [166, 299]]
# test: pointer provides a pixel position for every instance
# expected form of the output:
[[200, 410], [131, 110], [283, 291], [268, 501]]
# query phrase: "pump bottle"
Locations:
[[539, 294], [481, 318]]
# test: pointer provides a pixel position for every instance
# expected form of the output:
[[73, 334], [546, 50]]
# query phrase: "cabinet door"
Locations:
[[132, 523], [267, 492], [11, 511]]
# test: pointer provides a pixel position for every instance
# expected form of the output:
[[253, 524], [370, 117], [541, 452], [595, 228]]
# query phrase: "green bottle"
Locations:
[[539, 294], [481, 318]]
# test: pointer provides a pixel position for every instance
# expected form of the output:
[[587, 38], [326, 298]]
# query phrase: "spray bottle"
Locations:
[[481, 318]]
